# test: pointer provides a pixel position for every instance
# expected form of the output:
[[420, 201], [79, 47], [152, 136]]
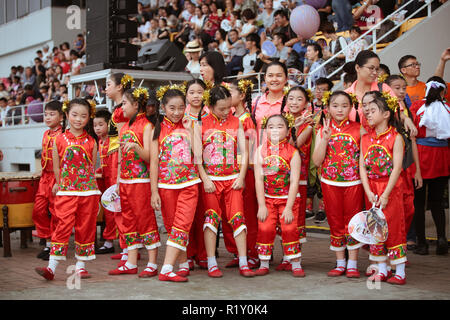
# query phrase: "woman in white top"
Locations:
[[197, 19], [193, 48], [249, 26], [249, 60]]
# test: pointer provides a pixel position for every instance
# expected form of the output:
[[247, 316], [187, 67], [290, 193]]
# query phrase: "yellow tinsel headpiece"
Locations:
[[141, 93], [93, 107], [264, 122], [127, 81], [310, 94], [383, 78], [290, 119], [326, 97], [244, 84], [163, 89], [391, 101], [354, 98], [205, 97], [209, 84], [286, 90], [65, 106]]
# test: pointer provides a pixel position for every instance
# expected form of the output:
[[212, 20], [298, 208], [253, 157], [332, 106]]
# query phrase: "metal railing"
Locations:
[[375, 41]]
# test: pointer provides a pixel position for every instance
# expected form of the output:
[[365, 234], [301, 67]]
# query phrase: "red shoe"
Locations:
[[83, 273], [174, 278], [183, 272], [371, 270], [352, 273], [397, 280], [214, 272], [298, 272], [191, 264], [245, 271], [284, 266], [121, 263], [117, 256], [261, 271], [336, 272], [148, 273], [123, 270], [379, 277], [233, 263], [47, 273], [203, 264], [253, 263]]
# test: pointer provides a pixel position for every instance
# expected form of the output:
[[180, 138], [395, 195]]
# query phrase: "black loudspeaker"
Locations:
[[108, 31], [161, 55]]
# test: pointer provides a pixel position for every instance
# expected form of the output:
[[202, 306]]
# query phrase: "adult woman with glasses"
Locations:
[[410, 69], [367, 66]]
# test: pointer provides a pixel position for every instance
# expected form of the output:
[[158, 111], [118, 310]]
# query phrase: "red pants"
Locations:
[[178, 211], [196, 246], [408, 199], [110, 231], [341, 204], [43, 203], [138, 218], [251, 219], [289, 232], [302, 189], [395, 245], [234, 207], [81, 213]]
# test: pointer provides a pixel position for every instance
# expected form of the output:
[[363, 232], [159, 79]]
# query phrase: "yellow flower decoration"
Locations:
[[127, 81], [264, 122], [209, 84], [290, 119], [93, 106], [244, 84], [206, 97], [326, 97], [163, 89], [141, 92], [226, 85], [286, 90], [310, 94], [391, 101], [354, 98], [65, 106], [383, 78]]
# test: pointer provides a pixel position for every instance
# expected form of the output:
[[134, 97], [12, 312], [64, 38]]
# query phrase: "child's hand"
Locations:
[[238, 184], [128, 146], [418, 181], [382, 201], [262, 213], [55, 189], [155, 201], [326, 130], [187, 123], [371, 197], [209, 186], [410, 127], [287, 215]]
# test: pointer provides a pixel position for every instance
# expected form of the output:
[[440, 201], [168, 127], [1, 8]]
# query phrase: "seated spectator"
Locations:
[[188, 12], [250, 60], [281, 19], [368, 14], [266, 17], [174, 8], [250, 23], [78, 44], [314, 54], [221, 44], [237, 52], [30, 91], [39, 71], [354, 47], [233, 23], [197, 20], [77, 62], [194, 50], [29, 78], [300, 48], [279, 39], [213, 21], [65, 48], [47, 56], [336, 44], [163, 30], [229, 8], [3, 92], [3, 110]]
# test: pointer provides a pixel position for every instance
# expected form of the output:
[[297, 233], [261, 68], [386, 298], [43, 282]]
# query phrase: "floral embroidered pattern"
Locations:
[[302, 232], [341, 162], [59, 249], [378, 250], [212, 218], [276, 175], [219, 154], [291, 248], [265, 250], [77, 172], [351, 241], [132, 166], [150, 238], [132, 239], [378, 162], [237, 221], [179, 237], [397, 252], [337, 242], [84, 250]]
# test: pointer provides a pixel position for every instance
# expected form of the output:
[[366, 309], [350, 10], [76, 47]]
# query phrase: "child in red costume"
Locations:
[[77, 195], [174, 180], [223, 180], [138, 218], [44, 201], [109, 158], [337, 154], [277, 175], [381, 165]]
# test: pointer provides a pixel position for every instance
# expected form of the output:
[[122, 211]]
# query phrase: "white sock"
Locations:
[[48, 244], [400, 270], [130, 266], [296, 265], [243, 261], [108, 244], [340, 263], [125, 251], [285, 259], [184, 265], [124, 257], [264, 264], [382, 268], [80, 265], [52, 263], [152, 265], [166, 268], [212, 262], [352, 264]]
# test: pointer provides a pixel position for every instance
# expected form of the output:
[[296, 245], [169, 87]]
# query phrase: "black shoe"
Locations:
[[442, 246], [421, 248], [309, 215], [320, 217], [411, 247], [104, 250], [44, 253]]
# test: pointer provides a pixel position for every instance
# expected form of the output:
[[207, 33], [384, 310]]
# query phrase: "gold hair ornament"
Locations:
[[65, 106], [290, 119], [244, 84], [310, 94], [127, 81], [93, 107], [163, 89], [138, 93], [326, 97], [383, 78], [391, 101]]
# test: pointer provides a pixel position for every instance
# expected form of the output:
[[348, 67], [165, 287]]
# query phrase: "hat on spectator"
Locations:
[[193, 46]]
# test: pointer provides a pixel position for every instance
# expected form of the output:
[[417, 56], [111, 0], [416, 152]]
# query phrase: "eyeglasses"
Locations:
[[372, 69], [415, 65]]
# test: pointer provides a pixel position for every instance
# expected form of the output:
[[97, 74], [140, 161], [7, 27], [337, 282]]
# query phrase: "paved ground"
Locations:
[[428, 277]]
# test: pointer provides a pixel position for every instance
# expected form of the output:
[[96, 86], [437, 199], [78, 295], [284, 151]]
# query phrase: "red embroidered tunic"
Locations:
[[277, 168], [48, 140], [77, 171], [176, 161], [219, 138], [378, 151], [305, 155], [132, 168], [341, 164], [109, 159], [117, 116]]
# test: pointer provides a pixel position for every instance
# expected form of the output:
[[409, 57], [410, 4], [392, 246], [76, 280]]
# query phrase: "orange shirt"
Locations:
[[416, 92]]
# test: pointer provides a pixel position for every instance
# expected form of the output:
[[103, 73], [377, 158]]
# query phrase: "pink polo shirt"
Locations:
[[265, 108]]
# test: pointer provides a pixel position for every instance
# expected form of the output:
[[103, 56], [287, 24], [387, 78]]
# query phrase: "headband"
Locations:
[[434, 85]]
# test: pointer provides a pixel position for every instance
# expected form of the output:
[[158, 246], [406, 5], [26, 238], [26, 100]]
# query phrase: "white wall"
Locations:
[[427, 40]]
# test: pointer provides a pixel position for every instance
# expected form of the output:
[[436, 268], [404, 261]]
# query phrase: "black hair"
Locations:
[[326, 81], [267, 122], [327, 27], [254, 38], [218, 93], [402, 61], [392, 78], [248, 98], [103, 113], [356, 29], [394, 119], [385, 69], [281, 12], [282, 37], [203, 85], [217, 63], [117, 79], [90, 125], [317, 47], [54, 105], [248, 14], [171, 93], [141, 100], [434, 94], [364, 56]]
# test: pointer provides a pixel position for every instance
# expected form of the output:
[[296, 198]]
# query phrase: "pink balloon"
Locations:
[[317, 4], [35, 111], [305, 21]]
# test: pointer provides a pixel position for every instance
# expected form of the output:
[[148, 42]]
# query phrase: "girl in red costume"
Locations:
[[382, 151], [109, 158], [77, 195], [277, 175], [337, 154], [138, 218], [44, 201], [223, 180], [174, 180]]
